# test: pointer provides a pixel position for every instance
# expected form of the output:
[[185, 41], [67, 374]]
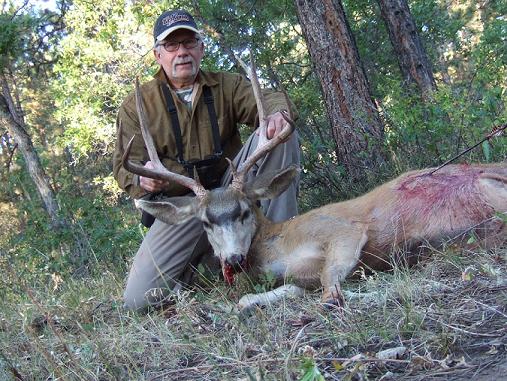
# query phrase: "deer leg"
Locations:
[[341, 258], [250, 301]]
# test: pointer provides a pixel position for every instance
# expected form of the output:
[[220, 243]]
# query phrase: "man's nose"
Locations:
[[182, 53]]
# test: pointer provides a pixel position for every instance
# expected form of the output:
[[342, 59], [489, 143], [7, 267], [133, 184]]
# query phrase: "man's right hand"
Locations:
[[152, 185]]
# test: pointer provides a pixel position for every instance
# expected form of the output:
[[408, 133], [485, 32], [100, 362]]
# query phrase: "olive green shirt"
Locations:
[[234, 104]]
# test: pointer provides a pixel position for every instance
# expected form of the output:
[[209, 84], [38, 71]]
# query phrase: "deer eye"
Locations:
[[206, 225], [245, 215]]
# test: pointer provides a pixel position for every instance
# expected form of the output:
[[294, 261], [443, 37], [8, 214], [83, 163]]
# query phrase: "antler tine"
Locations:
[[148, 140], [251, 71], [259, 98], [264, 145], [233, 167], [261, 151], [137, 168], [159, 172]]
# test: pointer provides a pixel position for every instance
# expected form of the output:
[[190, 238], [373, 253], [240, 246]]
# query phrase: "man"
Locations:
[[193, 116]]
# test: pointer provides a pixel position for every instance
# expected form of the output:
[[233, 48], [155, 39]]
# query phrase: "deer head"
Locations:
[[229, 214]]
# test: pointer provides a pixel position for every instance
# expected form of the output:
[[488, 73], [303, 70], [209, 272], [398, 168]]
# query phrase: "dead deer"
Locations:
[[322, 247]]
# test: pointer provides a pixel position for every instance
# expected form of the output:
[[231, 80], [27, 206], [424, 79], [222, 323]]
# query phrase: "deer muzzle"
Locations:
[[237, 262], [232, 265]]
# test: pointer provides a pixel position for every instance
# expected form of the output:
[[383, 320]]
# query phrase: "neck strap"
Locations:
[[173, 113]]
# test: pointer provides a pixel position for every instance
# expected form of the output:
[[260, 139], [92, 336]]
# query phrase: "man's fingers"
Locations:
[[275, 125], [152, 185], [270, 130]]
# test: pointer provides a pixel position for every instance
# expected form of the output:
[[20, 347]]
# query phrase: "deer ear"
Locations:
[[173, 212], [271, 184]]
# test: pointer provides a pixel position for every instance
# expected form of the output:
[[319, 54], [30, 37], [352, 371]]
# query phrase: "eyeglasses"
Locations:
[[172, 46]]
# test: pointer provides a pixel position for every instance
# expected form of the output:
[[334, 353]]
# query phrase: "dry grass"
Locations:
[[445, 319]]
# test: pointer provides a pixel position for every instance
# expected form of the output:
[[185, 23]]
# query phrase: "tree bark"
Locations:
[[413, 61], [11, 117], [354, 119]]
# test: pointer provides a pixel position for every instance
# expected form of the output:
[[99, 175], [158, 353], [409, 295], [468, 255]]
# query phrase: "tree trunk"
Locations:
[[355, 122], [11, 118], [412, 58]]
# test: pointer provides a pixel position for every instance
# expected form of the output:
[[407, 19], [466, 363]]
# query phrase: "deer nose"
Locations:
[[237, 261]]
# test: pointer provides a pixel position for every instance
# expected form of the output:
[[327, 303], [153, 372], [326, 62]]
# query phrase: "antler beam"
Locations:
[[264, 144]]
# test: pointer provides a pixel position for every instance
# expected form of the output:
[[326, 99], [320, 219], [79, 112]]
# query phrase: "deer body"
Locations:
[[405, 215]]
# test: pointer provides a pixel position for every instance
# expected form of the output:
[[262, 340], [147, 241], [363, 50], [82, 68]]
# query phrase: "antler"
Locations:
[[159, 172], [264, 145]]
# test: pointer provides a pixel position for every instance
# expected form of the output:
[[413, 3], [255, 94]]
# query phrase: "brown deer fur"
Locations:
[[403, 216]]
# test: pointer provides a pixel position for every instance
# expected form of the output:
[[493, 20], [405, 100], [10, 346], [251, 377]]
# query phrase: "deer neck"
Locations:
[[262, 247]]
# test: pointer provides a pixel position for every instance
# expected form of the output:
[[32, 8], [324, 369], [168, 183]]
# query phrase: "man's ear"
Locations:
[[156, 53], [173, 212], [271, 183]]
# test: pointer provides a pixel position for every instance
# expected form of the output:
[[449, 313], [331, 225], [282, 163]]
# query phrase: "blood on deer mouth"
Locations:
[[229, 269]]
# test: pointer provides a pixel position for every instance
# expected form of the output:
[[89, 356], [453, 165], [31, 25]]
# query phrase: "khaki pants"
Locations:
[[167, 254]]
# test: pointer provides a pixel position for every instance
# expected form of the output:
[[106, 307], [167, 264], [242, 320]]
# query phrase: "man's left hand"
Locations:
[[274, 124]]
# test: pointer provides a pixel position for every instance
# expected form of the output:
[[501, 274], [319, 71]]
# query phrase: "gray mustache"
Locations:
[[183, 61]]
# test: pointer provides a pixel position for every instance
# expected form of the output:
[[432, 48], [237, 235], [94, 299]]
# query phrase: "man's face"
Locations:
[[182, 65]]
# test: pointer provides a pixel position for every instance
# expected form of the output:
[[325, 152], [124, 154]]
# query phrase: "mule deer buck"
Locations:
[[323, 246]]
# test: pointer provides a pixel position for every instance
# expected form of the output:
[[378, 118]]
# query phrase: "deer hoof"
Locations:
[[248, 301], [333, 300], [332, 304]]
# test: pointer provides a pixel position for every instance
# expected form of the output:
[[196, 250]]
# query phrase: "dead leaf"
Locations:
[[391, 353], [308, 351], [421, 362], [468, 274], [337, 366], [354, 359]]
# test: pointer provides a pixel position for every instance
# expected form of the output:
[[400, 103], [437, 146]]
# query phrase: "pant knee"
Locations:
[[139, 298], [133, 301]]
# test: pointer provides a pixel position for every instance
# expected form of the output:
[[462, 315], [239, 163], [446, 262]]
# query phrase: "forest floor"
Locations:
[[444, 319]]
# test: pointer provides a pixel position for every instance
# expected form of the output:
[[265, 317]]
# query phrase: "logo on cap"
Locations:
[[172, 19]]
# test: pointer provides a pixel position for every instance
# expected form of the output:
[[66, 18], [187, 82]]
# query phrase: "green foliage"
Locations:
[[429, 310], [28, 36], [439, 129], [502, 216], [14, 30], [100, 59], [266, 282], [311, 370], [71, 108], [9, 37], [102, 234], [372, 40]]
